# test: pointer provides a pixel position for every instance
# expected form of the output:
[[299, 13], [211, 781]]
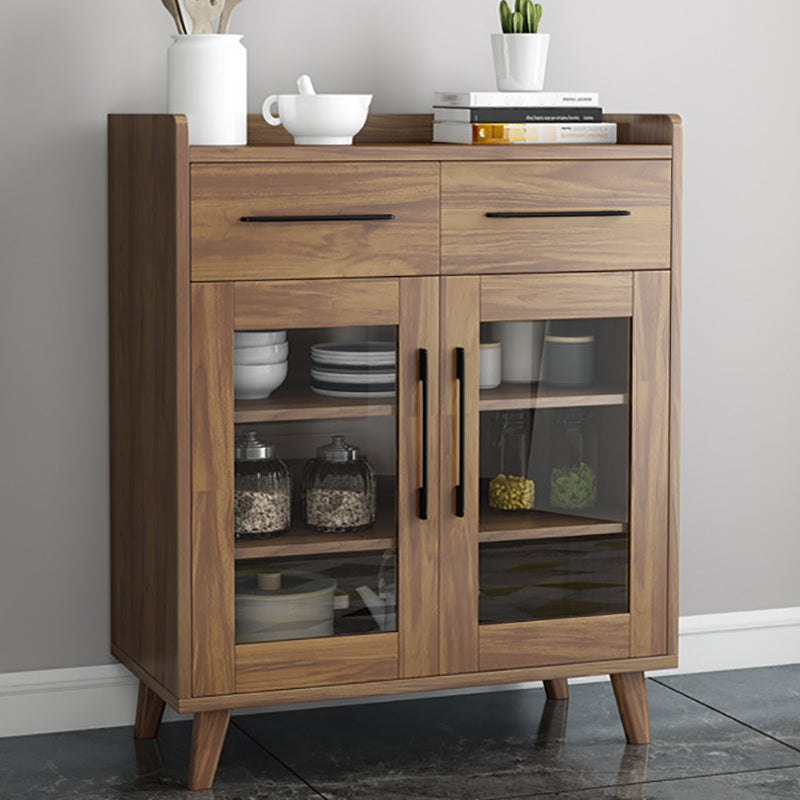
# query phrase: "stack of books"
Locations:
[[520, 118]]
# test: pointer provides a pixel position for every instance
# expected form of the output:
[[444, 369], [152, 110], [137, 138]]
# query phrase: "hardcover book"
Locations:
[[525, 133], [516, 99], [518, 114]]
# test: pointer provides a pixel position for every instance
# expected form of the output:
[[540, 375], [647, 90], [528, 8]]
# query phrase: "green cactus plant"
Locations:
[[524, 19]]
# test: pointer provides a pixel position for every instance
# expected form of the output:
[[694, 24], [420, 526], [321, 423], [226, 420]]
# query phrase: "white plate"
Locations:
[[330, 393], [327, 376], [357, 353]]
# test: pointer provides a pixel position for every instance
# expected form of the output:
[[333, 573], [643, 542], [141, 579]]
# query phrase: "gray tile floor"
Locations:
[[716, 736]]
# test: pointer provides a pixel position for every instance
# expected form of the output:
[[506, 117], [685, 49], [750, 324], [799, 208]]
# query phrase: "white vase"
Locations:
[[520, 60], [207, 81]]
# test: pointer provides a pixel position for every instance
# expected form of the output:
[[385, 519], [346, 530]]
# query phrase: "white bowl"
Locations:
[[257, 338], [263, 354], [319, 118], [257, 381]]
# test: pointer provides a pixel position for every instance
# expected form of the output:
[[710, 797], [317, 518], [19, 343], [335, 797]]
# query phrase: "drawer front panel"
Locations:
[[331, 243], [569, 227]]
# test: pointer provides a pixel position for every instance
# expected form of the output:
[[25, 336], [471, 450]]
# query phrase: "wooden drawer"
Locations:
[[473, 242], [226, 248]]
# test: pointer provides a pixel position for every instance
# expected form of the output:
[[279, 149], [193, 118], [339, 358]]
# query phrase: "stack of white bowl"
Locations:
[[260, 363]]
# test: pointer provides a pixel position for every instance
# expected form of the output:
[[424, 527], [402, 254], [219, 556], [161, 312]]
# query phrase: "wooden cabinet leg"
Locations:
[[631, 695], [556, 689], [208, 734], [149, 710]]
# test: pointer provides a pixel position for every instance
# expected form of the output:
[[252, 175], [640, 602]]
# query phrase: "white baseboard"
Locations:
[[77, 698]]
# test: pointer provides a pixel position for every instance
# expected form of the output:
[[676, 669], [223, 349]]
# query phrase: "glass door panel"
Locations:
[[331, 425], [564, 577], [554, 470]]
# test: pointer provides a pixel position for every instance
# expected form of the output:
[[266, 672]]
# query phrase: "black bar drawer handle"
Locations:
[[321, 218], [422, 492], [601, 212], [460, 377]]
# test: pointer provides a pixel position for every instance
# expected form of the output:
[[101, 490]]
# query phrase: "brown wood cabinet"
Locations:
[[522, 531]]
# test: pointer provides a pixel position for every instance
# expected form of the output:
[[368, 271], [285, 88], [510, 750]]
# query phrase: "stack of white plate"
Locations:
[[260, 363], [361, 369]]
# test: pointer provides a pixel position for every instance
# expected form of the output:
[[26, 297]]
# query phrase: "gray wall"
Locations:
[[730, 70]]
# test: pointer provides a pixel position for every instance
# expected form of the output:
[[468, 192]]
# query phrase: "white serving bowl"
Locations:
[[262, 354], [319, 118], [257, 338], [257, 381]]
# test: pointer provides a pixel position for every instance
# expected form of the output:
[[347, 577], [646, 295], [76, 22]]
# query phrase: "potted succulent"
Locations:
[[520, 51]]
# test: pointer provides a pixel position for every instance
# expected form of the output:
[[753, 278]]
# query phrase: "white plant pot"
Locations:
[[207, 81], [520, 60]]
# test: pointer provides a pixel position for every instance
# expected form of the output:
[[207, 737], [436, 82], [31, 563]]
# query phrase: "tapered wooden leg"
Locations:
[[631, 695], [208, 735], [556, 689], [149, 710]]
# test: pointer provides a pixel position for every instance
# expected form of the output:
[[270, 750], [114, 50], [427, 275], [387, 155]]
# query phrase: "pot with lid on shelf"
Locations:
[[262, 490], [288, 604], [339, 490]]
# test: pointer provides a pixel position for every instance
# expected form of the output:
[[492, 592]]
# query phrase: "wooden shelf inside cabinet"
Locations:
[[515, 395], [297, 402], [307, 543], [500, 526], [300, 541]]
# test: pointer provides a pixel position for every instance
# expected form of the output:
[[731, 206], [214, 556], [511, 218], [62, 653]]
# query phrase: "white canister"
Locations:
[[490, 366], [207, 81], [521, 348]]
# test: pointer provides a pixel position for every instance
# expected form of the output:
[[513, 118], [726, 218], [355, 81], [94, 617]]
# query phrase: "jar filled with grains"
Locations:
[[338, 489], [262, 491], [513, 489], [574, 459]]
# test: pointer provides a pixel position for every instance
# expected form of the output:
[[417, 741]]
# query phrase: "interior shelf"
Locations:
[[516, 395], [296, 402], [504, 526], [300, 541]]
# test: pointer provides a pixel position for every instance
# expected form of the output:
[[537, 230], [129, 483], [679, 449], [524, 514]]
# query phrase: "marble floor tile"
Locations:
[[108, 764], [506, 744], [767, 698], [768, 784]]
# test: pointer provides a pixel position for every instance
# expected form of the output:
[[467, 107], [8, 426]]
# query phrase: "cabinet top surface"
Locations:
[[427, 152], [408, 137]]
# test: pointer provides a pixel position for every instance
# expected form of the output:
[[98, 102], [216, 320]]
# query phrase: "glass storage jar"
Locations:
[[338, 489], [262, 490], [573, 460], [512, 489]]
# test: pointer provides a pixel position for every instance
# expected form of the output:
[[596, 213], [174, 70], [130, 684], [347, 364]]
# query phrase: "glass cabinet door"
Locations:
[[306, 542], [555, 537]]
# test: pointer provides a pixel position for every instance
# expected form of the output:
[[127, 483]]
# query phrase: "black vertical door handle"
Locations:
[[460, 377], [422, 492]]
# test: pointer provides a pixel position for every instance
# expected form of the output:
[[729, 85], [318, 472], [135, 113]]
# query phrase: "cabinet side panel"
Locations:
[[212, 490], [149, 393], [675, 382], [650, 463]]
